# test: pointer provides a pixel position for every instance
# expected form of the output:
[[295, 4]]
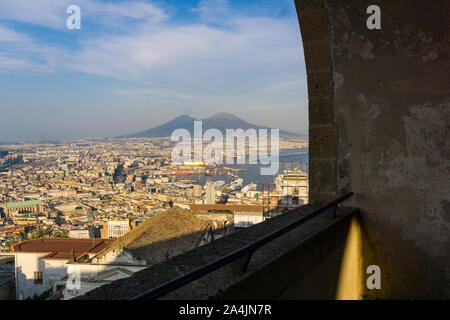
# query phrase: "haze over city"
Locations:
[[135, 66]]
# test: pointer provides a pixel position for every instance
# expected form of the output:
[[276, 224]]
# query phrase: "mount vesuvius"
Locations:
[[221, 121]]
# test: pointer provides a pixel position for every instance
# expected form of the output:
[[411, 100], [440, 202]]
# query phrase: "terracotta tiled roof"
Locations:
[[61, 248], [167, 234]]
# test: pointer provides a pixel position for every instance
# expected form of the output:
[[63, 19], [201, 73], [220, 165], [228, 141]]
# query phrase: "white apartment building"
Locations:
[[118, 228], [245, 219], [44, 264], [87, 233]]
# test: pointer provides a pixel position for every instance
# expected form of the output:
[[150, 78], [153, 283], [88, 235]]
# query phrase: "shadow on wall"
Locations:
[[157, 251], [318, 260], [7, 280], [325, 267], [322, 261], [28, 286]]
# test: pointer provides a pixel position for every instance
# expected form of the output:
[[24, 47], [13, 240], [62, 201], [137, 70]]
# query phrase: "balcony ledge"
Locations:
[[272, 272]]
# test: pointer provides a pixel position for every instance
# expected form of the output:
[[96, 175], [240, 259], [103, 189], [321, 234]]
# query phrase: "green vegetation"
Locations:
[[45, 295], [48, 233], [40, 233], [60, 234], [12, 241]]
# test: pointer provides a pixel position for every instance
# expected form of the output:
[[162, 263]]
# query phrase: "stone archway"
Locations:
[[379, 104]]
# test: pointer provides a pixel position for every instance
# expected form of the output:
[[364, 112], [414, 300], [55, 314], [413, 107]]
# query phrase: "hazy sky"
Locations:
[[136, 64]]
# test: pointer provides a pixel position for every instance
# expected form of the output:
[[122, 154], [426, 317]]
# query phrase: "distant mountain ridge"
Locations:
[[220, 121]]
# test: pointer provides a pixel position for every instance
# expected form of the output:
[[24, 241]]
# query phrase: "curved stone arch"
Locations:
[[379, 108], [316, 37]]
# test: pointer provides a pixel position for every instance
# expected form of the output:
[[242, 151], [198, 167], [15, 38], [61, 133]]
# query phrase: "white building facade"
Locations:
[[38, 270]]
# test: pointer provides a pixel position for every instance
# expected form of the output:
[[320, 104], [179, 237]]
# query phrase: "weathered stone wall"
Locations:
[[379, 126]]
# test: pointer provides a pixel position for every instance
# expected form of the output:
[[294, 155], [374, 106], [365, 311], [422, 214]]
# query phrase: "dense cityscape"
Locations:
[[105, 188]]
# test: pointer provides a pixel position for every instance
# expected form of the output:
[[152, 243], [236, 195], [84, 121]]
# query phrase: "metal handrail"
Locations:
[[245, 252]]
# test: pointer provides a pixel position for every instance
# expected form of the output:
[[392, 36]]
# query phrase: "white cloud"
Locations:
[[19, 52], [193, 57], [8, 35], [197, 57], [213, 10], [52, 13], [46, 13], [9, 63], [229, 62], [153, 93]]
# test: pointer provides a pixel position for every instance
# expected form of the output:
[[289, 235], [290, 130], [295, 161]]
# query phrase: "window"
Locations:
[[37, 277]]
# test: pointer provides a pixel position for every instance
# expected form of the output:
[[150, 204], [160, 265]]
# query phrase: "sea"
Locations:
[[298, 157]]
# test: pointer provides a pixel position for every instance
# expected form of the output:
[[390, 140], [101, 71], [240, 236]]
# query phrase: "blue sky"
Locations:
[[136, 64]]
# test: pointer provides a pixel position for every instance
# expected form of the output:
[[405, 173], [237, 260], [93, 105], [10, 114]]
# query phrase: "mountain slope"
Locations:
[[220, 121], [166, 129]]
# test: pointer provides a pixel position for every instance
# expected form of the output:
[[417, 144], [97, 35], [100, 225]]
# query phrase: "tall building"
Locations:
[[115, 228], [292, 186], [198, 191], [210, 193]]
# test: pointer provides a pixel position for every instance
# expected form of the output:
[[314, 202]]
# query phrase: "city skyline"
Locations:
[[131, 68]]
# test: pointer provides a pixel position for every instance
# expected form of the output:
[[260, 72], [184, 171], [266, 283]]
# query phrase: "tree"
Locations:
[[11, 241], [39, 233], [60, 234]]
